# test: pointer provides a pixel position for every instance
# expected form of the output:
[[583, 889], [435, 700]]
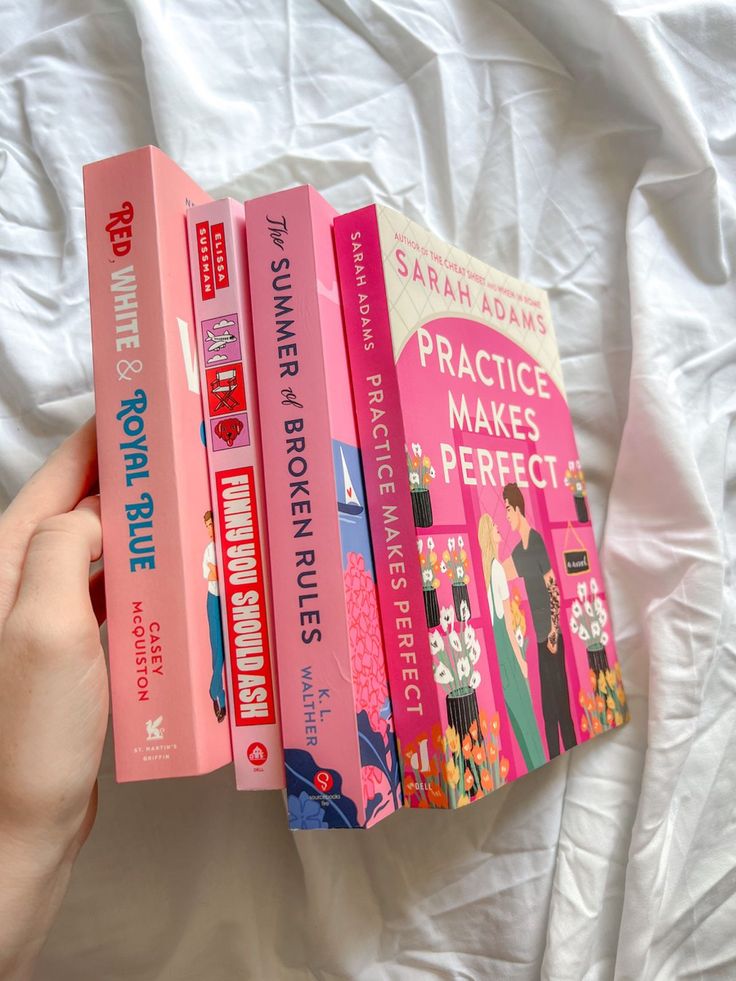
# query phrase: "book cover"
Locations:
[[339, 746], [236, 560], [154, 491], [494, 609]]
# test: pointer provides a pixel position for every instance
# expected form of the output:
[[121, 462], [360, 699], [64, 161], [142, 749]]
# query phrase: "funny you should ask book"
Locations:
[[494, 611]]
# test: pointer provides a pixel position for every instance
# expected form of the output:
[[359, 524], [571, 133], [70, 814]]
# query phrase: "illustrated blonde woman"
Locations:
[[513, 667]]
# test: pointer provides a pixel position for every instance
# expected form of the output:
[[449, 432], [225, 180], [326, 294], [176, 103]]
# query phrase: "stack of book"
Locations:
[[347, 541]]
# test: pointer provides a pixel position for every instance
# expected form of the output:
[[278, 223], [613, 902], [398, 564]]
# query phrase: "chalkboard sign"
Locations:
[[576, 559], [576, 562]]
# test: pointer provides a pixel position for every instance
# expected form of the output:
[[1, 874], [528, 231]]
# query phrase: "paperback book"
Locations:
[[154, 489], [494, 611], [339, 746], [235, 561]]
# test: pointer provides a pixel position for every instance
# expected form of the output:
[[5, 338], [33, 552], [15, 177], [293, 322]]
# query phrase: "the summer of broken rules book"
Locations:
[[494, 610]]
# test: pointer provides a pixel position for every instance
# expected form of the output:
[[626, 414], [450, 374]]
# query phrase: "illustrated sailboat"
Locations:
[[351, 504]]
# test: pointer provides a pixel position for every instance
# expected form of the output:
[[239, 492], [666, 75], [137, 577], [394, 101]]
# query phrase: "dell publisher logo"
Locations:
[[154, 729], [257, 754]]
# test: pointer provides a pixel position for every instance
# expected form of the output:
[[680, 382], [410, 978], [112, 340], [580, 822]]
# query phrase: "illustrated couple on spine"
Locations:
[[529, 560], [214, 619]]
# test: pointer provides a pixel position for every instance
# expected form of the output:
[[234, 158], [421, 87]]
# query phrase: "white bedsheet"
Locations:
[[586, 145]]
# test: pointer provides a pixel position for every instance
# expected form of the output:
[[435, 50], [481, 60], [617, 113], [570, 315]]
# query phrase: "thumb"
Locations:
[[53, 593]]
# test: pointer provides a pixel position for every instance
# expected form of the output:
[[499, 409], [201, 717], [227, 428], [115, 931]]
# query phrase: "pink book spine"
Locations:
[[294, 297], [381, 431], [239, 579], [152, 467]]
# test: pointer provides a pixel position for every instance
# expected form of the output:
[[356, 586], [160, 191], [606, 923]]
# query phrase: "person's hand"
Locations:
[[552, 642], [53, 692]]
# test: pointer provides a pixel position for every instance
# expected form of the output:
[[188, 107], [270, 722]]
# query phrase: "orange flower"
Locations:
[[589, 704], [609, 717], [452, 774], [597, 727], [467, 747], [423, 803], [504, 767], [495, 723], [593, 678], [583, 723], [453, 740], [474, 730], [581, 697], [599, 704], [484, 723], [437, 737], [479, 755], [468, 780], [463, 800], [492, 753], [486, 780]]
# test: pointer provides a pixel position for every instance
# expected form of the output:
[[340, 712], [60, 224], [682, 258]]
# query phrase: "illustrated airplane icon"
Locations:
[[216, 341]]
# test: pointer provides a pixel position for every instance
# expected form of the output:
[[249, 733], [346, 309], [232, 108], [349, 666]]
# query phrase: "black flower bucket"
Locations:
[[460, 596], [431, 607], [581, 508], [462, 712], [598, 660], [421, 505]]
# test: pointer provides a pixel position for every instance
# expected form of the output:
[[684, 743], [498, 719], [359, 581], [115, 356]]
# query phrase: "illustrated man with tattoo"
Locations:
[[529, 561]]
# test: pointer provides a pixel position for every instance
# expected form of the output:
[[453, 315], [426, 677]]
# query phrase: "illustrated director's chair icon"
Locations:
[[223, 385]]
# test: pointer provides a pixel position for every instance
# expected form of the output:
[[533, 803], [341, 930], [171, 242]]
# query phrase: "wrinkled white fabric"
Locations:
[[585, 145]]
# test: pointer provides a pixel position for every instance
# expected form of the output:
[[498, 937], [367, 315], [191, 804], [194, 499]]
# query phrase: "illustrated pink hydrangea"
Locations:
[[369, 673]]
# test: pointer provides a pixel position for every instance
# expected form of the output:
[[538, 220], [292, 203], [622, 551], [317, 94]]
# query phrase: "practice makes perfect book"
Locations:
[[494, 611]]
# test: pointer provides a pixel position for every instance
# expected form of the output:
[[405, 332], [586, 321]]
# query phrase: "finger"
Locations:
[[97, 595], [96, 575], [65, 478], [54, 584]]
